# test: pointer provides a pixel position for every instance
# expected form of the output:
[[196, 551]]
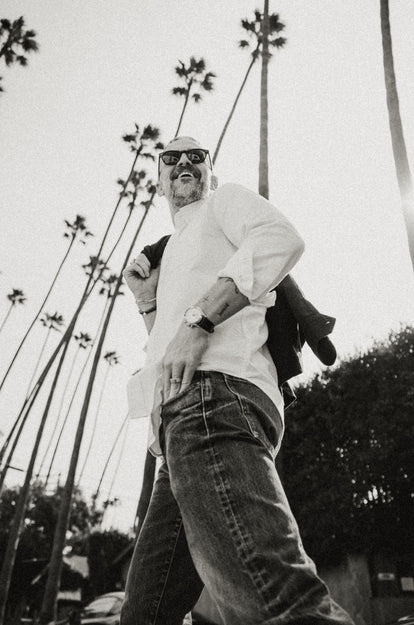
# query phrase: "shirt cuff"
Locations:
[[240, 269]]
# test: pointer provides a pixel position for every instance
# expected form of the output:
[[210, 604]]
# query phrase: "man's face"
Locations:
[[184, 182]]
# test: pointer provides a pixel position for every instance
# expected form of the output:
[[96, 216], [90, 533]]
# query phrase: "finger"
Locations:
[[140, 270], [188, 375], [166, 375], [175, 381], [144, 264]]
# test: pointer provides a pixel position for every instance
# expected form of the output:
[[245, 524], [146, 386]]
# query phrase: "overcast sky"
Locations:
[[102, 66]]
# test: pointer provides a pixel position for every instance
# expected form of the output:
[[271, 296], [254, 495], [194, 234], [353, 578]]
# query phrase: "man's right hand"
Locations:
[[143, 287]]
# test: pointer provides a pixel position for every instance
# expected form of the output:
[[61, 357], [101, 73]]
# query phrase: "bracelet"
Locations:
[[146, 301], [147, 312]]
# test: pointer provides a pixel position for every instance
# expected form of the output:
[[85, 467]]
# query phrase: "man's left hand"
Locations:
[[182, 357]]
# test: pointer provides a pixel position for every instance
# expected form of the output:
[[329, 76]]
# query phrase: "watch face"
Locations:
[[193, 315]]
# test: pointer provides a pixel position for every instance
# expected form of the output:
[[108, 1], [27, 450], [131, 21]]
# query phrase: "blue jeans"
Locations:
[[219, 517]]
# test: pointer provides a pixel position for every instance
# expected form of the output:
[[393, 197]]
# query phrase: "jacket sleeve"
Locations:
[[267, 244], [155, 251]]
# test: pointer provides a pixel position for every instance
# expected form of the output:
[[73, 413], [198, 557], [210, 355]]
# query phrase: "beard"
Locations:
[[184, 194]]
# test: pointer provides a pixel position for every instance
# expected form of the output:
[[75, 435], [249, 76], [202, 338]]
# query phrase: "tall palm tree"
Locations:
[[15, 297], [15, 42], [141, 143], [98, 489], [17, 523], [115, 473], [254, 32], [193, 75], [402, 166], [77, 230], [111, 359], [264, 115], [48, 608], [84, 342], [51, 322]]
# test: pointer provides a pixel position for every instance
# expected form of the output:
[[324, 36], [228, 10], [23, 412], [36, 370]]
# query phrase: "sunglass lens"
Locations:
[[196, 156], [171, 158]]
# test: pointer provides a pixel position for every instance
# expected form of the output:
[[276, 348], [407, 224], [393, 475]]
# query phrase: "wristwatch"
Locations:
[[194, 316]]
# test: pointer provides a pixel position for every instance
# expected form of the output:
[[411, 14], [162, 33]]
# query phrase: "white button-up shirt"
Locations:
[[232, 233]]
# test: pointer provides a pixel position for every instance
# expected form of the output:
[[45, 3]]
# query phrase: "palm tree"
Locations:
[[115, 473], [84, 342], [139, 141], [15, 42], [15, 297], [96, 494], [111, 359], [264, 116], [192, 75], [77, 230], [397, 135], [51, 322], [48, 608], [254, 31]]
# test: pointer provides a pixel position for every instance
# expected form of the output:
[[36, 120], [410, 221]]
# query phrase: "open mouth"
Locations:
[[185, 174]]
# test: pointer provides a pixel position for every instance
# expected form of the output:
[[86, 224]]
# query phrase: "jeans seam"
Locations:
[[231, 519], [245, 553], [167, 572]]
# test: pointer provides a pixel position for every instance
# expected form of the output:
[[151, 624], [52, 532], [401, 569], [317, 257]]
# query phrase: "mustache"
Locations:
[[185, 168]]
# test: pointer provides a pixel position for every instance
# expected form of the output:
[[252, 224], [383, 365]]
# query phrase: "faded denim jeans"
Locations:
[[219, 517]]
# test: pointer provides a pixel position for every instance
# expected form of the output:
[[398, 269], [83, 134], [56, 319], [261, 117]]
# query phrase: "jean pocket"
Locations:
[[249, 411], [190, 395]]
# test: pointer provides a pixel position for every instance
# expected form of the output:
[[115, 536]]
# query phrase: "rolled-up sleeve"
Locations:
[[267, 244]]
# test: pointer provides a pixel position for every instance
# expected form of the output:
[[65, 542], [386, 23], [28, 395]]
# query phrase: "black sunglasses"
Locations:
[[194, 155]]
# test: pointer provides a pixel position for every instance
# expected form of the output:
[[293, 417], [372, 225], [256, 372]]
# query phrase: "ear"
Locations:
[[160, 190], [213, 182]]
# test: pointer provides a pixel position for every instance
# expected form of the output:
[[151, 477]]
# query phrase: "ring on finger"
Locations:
[[175, 380]]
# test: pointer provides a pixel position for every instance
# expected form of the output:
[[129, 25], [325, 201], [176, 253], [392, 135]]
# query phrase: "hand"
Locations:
[[182, 357], [141, 279]]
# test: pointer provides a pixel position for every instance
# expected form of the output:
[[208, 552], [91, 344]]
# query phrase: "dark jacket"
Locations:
[[291, 321]]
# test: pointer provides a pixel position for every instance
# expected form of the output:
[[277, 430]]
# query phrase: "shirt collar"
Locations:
[[186, 213]]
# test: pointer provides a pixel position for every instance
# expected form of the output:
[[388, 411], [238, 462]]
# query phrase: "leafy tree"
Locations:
[[36, 540], [193, 75], [402, 166], [15, 42], [348, 463]]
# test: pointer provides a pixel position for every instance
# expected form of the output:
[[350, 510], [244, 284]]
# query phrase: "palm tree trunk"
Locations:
[[58, 413], [233, 108], [3, 323], [114, 476], [264, 158], [66, 418], [184, 107], [73, 397], [397, 135], [38, 361], [124, 422], [95, 421], [37, 314], [18, 520], [48, 608], [90, 284]]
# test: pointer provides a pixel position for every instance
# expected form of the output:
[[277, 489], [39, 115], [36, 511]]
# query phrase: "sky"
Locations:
[[104, 66]]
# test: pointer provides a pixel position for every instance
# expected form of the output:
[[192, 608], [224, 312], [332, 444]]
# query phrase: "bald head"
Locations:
[[188, 179]]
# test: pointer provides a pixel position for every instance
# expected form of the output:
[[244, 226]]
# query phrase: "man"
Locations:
[[218, 515]]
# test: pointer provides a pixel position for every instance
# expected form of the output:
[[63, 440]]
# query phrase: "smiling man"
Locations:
[[218, 515]]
